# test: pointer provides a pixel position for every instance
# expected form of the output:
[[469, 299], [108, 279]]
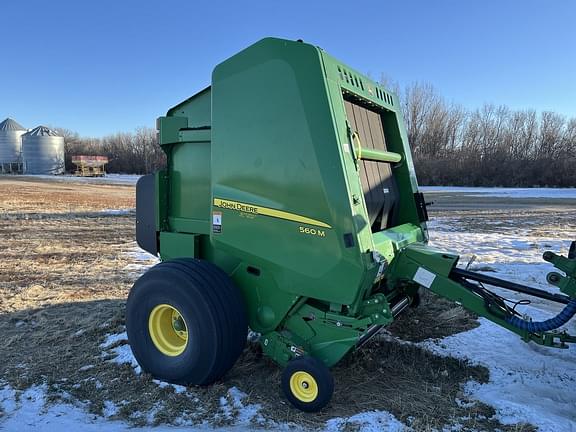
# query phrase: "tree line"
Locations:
[[489, 146], [135, 152]]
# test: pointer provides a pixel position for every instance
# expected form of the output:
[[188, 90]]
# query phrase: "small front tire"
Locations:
[[307, 384]]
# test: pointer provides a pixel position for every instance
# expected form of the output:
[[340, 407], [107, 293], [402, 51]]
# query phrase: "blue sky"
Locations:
[[104, 66]]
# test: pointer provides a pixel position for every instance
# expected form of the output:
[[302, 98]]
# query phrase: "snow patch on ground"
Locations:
[[28, 412], [112, 339], [138, 254], [177, 388], [110, 409], [233, 401], [569, 193], [117, 347], [371, 421], [528, 382], [117, 212], [126, 179], [7, 400], [124, 355], [515, 246], [513, 254], [141, 260]]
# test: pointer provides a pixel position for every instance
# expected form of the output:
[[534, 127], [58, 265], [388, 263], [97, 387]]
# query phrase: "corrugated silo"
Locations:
[[10, 141], [43, 151]]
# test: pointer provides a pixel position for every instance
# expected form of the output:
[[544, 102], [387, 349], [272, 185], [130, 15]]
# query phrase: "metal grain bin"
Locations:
[[10, 142], [43, 151]]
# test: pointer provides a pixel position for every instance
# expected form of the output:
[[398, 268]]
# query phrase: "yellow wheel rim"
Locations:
[[168, 330], [303, 386]]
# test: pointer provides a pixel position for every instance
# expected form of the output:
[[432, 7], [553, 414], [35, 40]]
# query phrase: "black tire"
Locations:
[[213, 313], [299, 379]]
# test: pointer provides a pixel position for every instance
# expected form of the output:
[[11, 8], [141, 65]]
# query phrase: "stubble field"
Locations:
[[68, 260]]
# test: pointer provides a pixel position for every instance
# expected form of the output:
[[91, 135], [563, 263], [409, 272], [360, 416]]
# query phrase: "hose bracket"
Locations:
[[566, 284]]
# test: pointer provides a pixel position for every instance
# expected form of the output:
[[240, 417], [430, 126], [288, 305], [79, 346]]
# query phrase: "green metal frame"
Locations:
[[419, 257]]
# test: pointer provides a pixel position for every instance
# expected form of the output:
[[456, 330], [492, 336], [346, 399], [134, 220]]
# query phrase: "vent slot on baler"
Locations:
[[378, 183]]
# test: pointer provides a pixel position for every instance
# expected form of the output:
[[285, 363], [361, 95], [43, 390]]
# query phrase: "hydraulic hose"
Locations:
[[543, 326]]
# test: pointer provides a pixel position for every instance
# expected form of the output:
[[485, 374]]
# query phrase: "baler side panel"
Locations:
[[274, 148], [183, 188], [197, 109], [189, 168]]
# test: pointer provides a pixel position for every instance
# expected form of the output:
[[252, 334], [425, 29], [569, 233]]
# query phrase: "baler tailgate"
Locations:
[[378, 183]]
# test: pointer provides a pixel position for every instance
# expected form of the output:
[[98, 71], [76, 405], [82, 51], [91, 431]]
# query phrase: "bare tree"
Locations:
[[491, 145], [134, 153]]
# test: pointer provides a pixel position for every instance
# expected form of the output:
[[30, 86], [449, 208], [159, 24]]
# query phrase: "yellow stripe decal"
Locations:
[[266, 211]]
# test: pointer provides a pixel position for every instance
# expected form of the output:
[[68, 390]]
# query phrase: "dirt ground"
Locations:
[[67, 266], [27, 197]]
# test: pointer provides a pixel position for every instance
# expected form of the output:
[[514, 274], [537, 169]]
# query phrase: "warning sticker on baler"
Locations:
[[424, 277], [217, 222]]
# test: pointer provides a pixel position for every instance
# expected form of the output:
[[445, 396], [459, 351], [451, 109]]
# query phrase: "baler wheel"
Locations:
[[186, 322], [307, 384], [168, 330]]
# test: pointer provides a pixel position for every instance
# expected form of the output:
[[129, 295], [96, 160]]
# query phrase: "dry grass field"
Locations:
[[67, 264]]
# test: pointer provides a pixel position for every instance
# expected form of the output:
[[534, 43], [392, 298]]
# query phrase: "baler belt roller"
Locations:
[[374, 155]]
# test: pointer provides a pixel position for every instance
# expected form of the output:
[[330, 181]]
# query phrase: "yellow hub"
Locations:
[[303, 386], [168, 330]]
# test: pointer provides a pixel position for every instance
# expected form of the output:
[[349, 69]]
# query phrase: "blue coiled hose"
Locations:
[[542, 326]]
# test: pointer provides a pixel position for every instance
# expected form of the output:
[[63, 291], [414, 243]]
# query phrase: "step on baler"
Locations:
[[289, 205]]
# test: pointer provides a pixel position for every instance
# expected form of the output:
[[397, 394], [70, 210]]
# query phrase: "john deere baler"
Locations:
[[290, 205]]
